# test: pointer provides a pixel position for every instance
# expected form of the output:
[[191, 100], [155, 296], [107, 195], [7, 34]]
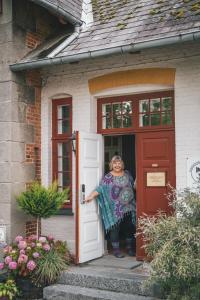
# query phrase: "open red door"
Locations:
[[155, 156]]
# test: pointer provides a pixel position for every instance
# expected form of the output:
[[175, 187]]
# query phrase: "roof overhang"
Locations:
[[46, 62]]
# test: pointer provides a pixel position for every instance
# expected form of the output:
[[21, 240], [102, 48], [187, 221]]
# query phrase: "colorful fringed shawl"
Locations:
[[116, 199]]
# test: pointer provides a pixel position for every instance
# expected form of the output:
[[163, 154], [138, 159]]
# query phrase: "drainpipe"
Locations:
[[177, 39], [60, 11], [66, 43]]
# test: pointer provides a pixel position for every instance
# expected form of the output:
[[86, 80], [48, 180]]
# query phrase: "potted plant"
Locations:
[[8, 290], [41, 202], [24, 257]]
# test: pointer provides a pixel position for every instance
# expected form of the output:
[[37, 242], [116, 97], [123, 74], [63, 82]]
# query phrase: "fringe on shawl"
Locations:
[[109, 220]]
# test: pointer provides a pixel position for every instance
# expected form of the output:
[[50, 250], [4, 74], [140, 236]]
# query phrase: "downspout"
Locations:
[[60, 11], [187, 37], [68, 41]]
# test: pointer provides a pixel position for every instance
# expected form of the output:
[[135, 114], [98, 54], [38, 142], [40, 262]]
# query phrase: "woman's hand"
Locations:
[[91, 196]]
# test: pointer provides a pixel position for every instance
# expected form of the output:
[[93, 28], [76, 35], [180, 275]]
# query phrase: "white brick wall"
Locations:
[[73, 80]]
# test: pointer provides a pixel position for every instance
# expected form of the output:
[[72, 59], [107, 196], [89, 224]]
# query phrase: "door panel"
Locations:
[[89, 161], [155, 169]]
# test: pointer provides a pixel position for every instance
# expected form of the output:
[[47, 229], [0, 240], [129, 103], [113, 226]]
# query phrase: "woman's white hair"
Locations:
[[114, 159]]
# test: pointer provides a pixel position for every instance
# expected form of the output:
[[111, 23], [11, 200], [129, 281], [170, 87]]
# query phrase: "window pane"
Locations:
[[117, 109], [127, 107], [106, 109], [63, 164], [167, 118], [144, 105], [127, 121], [106, 123], [155, 104], [63, 126], [155, 119], [144, 120], [167, 103], [117, 121], [63, 112], [63, 149]]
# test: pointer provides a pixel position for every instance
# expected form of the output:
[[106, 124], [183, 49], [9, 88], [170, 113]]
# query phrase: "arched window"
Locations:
[[61, 144]]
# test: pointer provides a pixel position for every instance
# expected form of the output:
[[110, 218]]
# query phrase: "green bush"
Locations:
[[174, 244], [41, 202], [8, 289]]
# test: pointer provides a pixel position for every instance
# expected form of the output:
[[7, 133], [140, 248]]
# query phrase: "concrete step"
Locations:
[[108, 279], [68, 292]]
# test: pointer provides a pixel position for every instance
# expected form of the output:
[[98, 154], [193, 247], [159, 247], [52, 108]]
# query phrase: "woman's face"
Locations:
[[117, 166]]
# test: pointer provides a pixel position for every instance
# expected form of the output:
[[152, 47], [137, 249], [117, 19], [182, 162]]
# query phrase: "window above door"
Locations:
[[135, 112]]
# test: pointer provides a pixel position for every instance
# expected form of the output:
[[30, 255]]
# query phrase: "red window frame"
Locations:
[[61, 138], [135, 99]]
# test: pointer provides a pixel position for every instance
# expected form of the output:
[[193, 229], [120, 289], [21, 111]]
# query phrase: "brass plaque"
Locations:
[[156, 179]]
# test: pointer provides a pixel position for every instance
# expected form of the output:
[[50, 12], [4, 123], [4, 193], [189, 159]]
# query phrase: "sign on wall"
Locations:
[[193, 172], [2, 234]]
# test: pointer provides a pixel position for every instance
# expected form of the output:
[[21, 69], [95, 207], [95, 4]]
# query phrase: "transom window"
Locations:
[[135, 112], [61, 144], [155, 111], [117, 115]]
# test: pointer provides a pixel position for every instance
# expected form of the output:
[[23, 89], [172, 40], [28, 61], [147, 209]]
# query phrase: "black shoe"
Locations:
[[118, 255]]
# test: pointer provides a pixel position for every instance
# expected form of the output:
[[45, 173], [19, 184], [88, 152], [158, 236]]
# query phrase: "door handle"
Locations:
[[82, 196]]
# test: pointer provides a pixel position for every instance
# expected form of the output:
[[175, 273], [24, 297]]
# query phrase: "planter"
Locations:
[[28, 290]]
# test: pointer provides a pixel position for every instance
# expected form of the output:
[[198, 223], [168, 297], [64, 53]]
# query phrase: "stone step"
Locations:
[[109, 279], [68, 292]]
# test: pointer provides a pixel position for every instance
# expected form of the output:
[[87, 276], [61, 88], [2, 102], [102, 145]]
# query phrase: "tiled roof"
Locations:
[[129, 22], [124, 22], [73, 7]]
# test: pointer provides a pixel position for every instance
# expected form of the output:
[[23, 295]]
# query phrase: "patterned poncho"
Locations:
[[116, 199]]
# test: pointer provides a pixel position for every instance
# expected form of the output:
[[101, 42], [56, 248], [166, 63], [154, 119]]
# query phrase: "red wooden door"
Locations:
[[155, 159]]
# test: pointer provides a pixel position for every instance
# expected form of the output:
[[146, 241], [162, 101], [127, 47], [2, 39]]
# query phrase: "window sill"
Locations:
[[65, 212]]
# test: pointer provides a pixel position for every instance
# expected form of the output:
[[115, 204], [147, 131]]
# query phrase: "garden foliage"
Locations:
[[25, 257], [174, 244]]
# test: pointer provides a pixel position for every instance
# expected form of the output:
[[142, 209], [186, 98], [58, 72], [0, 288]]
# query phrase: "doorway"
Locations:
[[123, 145]]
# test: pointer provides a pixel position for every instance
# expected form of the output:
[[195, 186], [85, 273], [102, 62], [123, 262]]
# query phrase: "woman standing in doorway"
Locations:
[[116, 199]]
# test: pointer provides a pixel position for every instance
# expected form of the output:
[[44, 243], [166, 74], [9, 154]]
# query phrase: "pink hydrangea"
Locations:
[[1, 266], [18, 238], [31, 265], [32, 237], [33, 245], [7, 249], [12, 265], [22, 251], [36, 254], [8, 259], [42, 239], [22, 245], [46, 247], [50, 238], [22, 259]]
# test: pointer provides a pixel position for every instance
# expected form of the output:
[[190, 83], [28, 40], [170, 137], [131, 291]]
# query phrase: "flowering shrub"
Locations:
[[22, 257]]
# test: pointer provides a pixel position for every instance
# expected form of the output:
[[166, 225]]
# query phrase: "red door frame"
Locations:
[[137, 130]]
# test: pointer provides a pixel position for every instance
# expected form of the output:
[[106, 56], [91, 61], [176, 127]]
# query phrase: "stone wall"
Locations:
[[23, 25]]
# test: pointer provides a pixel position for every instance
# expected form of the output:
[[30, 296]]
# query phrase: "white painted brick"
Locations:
[[73, 80]]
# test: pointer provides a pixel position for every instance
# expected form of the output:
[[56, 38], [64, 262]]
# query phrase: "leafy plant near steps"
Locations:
[[49, 268], [174, 243], [8, 290]]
